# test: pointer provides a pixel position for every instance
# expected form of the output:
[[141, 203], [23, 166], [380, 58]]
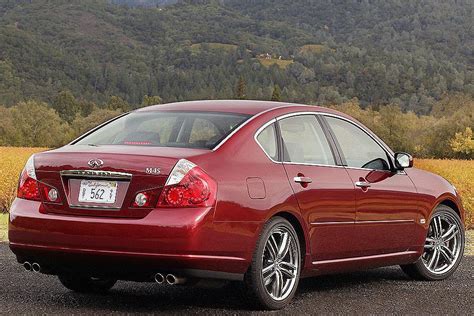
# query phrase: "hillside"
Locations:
[[144, 3], [408, 53]]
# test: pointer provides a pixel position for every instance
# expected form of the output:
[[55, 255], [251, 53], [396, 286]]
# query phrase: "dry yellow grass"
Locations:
[[282, 63], [12, 161], [313, 48], [3, 227], [469, 243], [461, 174]]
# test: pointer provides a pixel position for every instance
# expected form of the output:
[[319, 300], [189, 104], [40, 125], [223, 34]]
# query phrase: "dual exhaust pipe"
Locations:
[[169, 279], [32, 267]]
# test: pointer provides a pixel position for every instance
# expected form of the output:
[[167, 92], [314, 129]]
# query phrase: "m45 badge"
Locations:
[[153, 171]]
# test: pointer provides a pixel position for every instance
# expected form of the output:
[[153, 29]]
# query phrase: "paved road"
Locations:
[[384, 290]]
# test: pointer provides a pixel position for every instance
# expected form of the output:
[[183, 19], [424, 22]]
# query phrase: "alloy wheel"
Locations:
[[280, 263], [443, 244]]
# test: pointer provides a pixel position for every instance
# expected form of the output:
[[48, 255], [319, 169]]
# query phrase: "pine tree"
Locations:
[[240, 93], [276, 96]]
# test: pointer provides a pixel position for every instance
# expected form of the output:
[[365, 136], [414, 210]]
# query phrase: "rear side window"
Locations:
[[268, 141], [167, 129], [304, 141], [359, 149]]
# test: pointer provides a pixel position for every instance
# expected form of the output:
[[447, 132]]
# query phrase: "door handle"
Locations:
[[303, 180], [362, 184]]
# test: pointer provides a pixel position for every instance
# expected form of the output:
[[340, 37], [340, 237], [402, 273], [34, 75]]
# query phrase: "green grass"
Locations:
[[3, 227]]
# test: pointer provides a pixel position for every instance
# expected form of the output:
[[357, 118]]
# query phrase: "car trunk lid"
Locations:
[[104, 180]]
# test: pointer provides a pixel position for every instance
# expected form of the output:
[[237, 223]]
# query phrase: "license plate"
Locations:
[[94, 191]]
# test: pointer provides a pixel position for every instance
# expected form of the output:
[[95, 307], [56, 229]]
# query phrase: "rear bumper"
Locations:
[[166, 240]]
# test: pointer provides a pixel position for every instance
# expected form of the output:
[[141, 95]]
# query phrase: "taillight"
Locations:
[[188, 186], [28, 188]]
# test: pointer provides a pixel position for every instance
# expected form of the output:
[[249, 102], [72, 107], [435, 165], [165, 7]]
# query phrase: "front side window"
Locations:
[[268, 141], [304, 141], [359, 149], [166, 129]]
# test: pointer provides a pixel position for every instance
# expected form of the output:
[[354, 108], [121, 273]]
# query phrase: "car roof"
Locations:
[[231, 106]]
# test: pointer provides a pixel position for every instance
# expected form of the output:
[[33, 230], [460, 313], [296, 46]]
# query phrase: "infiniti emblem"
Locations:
[[95, 163]]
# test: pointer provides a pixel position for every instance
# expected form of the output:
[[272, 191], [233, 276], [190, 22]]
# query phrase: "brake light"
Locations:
[[137, 143], [28, 188], [188, 186]]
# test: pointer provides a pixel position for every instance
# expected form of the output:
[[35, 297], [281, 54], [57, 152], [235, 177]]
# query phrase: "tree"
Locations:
[[37, 125], [117, 103], [83, 124], [276, 96], [10, 83], [9, 134], [452, 103], [66, 105], [381, 55], [241, 87], [463, 143], [87, 107], [151, 100]]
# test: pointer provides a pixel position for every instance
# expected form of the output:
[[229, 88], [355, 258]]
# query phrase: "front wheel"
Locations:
[[444, 247], [85, 284], [273, 276]]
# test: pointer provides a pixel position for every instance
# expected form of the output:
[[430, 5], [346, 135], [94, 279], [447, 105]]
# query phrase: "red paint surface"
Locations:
[[334, 217]]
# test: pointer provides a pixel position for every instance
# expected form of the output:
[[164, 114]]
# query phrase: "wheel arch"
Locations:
[[300, 231], [450, 203]]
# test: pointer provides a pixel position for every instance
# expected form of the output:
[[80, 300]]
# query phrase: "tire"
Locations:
[[84, 284], [429, 267], [281, 267]]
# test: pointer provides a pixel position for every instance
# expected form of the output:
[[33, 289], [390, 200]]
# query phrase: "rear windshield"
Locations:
[[166, 129]]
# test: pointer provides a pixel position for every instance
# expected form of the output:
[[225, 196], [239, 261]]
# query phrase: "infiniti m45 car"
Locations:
[[260, 192]]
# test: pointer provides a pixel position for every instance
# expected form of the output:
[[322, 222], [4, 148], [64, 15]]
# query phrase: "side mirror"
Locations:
[[403, 160]]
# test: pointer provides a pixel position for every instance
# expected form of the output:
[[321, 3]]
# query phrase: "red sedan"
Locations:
[[261, 192]]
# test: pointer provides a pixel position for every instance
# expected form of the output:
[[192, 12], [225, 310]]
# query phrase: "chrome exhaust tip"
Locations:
[[159, 278], [172, 279], [36, 267], [27, 266]]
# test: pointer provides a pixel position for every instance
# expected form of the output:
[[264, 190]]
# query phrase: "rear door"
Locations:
[[324, 190], [386, 200]]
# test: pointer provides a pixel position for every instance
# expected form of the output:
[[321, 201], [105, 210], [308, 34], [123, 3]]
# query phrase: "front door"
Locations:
[[386, 200], [324, 190]]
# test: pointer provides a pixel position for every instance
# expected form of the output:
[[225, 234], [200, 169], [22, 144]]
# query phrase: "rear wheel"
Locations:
[[273, 276], [85, 284], [444, 247]]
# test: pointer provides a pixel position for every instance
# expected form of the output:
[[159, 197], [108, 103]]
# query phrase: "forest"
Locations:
[[446, 133], [82, 59]]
